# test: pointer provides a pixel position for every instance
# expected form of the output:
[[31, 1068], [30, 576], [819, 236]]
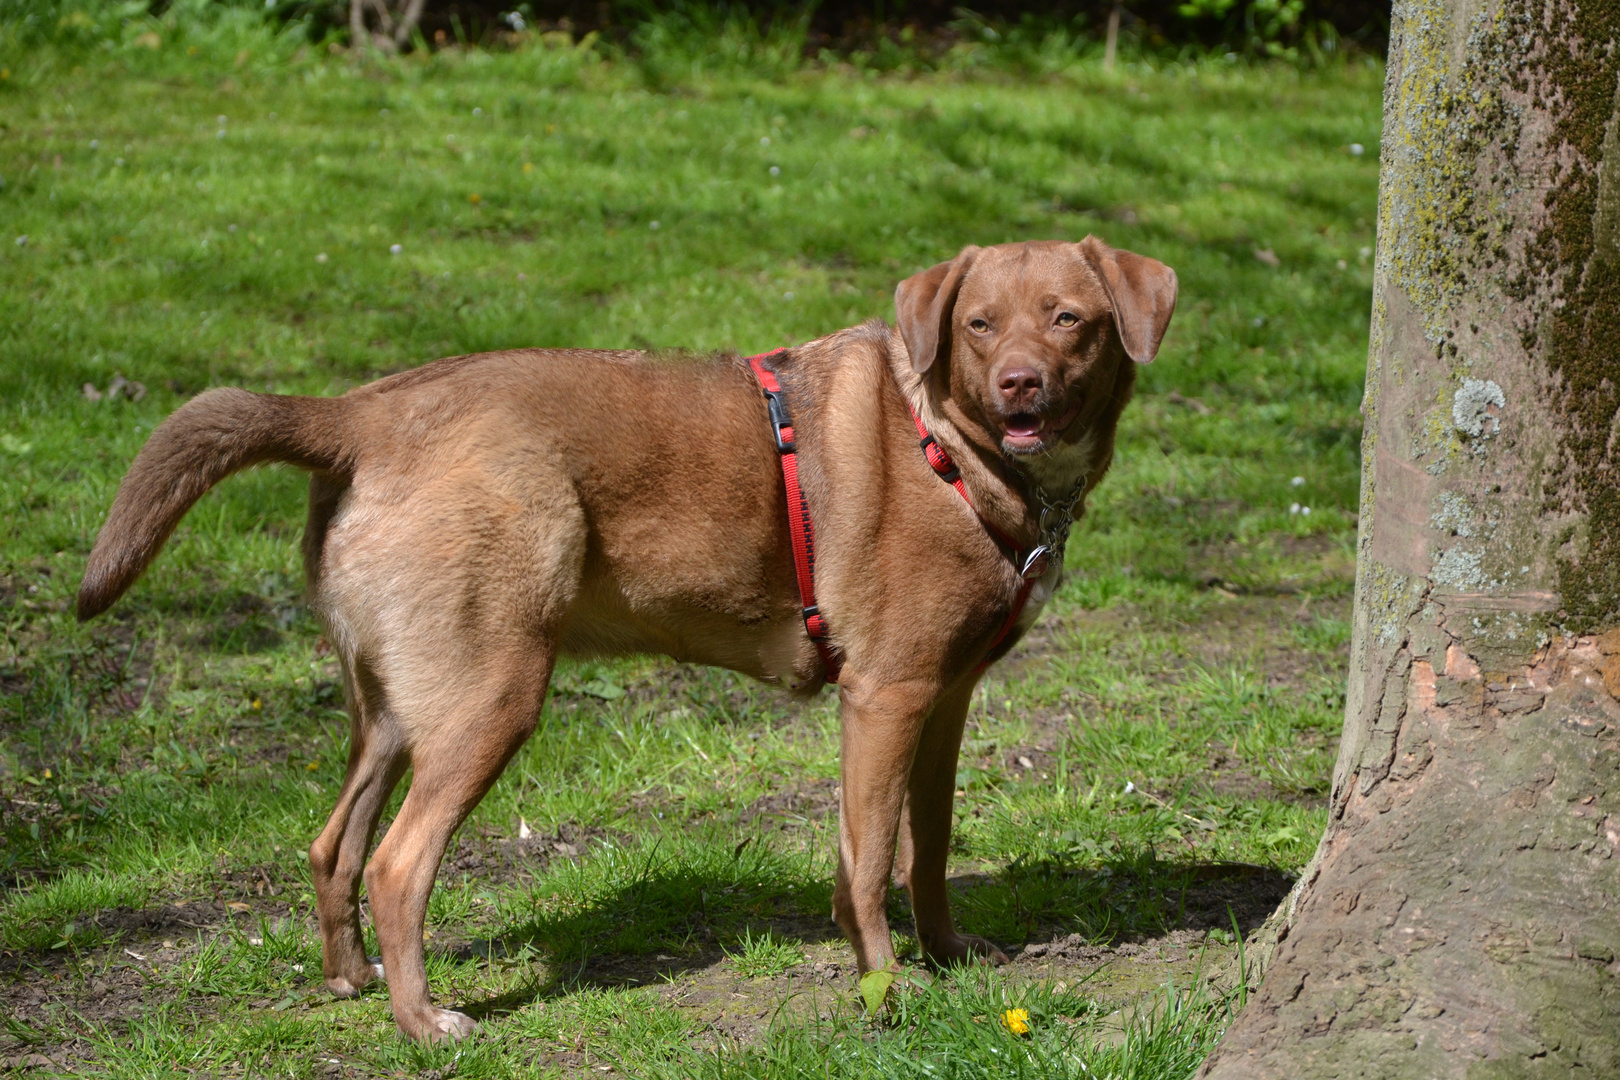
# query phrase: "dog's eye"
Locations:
[[978, 326], [1067, 319]]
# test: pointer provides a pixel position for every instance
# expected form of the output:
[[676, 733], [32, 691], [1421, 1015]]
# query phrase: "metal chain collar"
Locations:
[[1055, 520]]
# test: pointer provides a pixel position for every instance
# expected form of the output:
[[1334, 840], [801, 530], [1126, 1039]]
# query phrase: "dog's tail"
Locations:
[[205, 440]]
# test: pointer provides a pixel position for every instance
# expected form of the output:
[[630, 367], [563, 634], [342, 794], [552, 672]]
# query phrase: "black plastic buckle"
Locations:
[[950, 475], [780, 420], [811, 612]]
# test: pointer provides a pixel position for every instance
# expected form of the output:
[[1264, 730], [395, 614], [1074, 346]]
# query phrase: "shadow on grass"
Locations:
[[1132, 898], [662, 924], [655, 921]]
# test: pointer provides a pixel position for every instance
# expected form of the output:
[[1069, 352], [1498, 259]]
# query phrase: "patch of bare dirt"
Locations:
[[799, 803], [491, 858], [726, 1005], [260, 881], [53, 1001], [738, 1008], [1226, 779], [167, 920], [1228, 892]]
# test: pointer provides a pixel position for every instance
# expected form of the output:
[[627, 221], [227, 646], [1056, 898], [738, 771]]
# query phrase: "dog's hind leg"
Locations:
[[459, 758], [377, 760]]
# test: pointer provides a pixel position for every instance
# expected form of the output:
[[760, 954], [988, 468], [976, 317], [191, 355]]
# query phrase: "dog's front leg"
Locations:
[[925, 838], [881, 725]]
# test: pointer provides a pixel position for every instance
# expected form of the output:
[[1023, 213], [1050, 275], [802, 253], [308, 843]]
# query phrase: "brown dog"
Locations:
[[473, 518]]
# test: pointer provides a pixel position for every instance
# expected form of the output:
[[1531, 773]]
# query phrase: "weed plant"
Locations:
[[198, 201]]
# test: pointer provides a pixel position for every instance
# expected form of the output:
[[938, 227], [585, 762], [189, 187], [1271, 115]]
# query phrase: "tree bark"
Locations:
[[1462, 914]]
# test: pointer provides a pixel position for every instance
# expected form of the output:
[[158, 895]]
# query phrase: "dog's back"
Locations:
[[639, 490]]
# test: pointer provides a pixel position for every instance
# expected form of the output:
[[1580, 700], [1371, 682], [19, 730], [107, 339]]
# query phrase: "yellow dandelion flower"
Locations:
[[475, 198], [1016, 1021]]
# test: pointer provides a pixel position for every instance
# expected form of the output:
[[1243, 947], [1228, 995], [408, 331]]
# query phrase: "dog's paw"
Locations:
[[348, 987], [432, 1025], [963, 949], [338, 986], [449, 1024]]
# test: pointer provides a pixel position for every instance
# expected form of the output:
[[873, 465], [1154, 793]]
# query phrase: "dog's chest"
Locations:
[[1039, 593]]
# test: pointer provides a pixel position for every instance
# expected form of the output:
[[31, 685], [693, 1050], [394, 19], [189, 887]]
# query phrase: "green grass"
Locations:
[[1177, 708], [764, 956]]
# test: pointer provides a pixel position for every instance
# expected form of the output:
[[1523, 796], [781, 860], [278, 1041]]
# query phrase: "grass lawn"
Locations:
[[647, 890]]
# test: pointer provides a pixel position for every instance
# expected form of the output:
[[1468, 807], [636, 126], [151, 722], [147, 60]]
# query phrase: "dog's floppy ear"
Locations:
[[1142, 292], [922, 307]]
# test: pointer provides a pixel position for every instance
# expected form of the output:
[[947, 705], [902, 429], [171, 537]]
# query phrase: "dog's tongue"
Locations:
[[1023, 427]]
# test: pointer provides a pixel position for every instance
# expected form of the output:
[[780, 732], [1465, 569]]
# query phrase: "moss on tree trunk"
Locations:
[[1462, 915]]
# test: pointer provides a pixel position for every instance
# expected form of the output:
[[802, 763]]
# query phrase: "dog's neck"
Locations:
[[1007, 491]]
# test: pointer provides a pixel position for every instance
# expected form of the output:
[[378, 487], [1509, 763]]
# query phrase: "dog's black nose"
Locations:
[[1021, 382]]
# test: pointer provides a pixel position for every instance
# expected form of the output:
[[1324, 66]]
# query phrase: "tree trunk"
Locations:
[[1462, 915], [393, 28], [1111, 39]]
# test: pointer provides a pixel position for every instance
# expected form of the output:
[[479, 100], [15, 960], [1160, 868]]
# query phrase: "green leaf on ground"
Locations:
[[875, 988]]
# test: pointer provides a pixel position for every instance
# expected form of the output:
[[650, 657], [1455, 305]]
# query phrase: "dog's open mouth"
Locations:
[[1028, 433]]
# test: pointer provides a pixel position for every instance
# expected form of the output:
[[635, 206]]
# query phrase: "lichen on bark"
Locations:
[[1575, 258]]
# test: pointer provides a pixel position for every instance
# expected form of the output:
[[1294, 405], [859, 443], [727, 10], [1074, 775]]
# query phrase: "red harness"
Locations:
[[1033, 564]]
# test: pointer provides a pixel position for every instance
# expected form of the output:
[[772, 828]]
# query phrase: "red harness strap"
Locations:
[[799, 527], [1033, 565], [1033, 570]]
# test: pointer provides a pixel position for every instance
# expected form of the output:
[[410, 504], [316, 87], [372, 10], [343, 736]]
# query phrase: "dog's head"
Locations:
[[1032, 343]]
